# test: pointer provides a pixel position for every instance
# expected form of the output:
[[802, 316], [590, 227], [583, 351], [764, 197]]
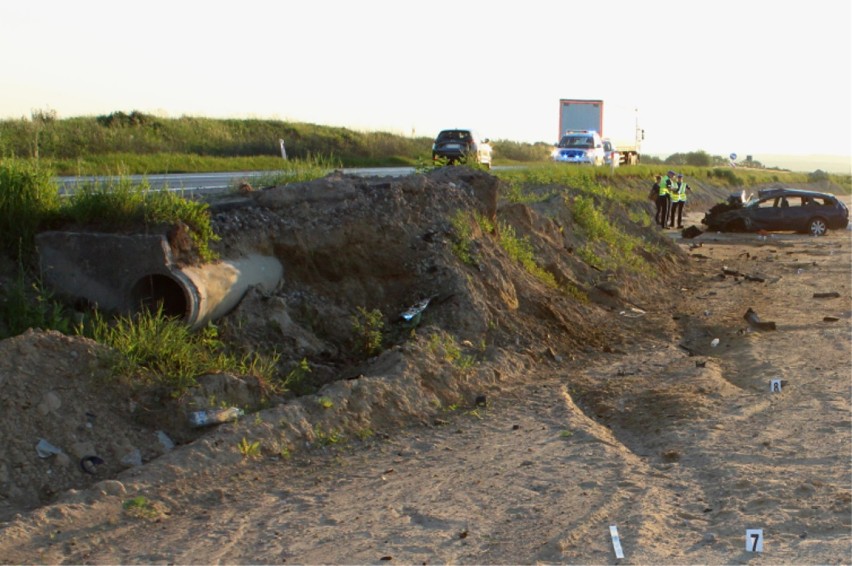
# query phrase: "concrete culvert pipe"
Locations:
[[124, 273], [200, 294]]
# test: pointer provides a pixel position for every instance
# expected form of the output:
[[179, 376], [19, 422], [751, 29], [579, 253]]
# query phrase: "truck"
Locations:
[[619, 128]]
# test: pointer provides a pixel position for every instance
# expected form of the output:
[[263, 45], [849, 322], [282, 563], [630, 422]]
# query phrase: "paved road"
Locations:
[[214, 181], [209, 181]]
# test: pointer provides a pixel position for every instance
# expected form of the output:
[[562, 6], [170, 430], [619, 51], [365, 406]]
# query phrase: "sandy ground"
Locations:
[[679, 444], [655, 389]]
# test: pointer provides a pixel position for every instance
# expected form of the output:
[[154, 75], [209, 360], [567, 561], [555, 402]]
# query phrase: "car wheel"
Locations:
[[817, 227]]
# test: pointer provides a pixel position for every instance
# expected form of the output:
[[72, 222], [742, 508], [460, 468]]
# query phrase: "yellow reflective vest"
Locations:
[[678, 192], [665, 182]]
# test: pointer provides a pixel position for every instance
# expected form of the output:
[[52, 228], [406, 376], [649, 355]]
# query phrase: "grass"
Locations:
[[327, 437], [606, 246], [463, 240], [297, 379], [545, 173], [25, 304], [30, 202], [297, 170], [119, 205], [136, 143], [140, 507], [447, 347], [28, 199], [521, 250], [367, 328], [151, 348], [249, 450]]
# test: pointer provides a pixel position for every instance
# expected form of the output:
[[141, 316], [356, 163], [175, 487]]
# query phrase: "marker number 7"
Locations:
[[754, 540]]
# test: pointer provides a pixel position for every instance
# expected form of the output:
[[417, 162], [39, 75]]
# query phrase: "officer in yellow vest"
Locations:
[[663, 199], [678, 196]]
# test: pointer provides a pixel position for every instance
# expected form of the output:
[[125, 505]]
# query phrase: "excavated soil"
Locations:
[[511, 422]]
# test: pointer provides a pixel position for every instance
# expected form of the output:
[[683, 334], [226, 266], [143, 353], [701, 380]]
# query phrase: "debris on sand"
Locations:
[[755, 321]]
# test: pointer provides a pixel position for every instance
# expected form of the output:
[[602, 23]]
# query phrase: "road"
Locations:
[[207, 181], [213, 181]]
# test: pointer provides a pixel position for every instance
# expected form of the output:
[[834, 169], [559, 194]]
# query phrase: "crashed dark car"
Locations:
[[779, 210]]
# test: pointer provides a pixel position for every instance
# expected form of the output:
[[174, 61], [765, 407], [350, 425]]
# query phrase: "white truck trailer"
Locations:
[[619, 126]]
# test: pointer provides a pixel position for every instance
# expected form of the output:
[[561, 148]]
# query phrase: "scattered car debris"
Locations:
[[414, 312], [691, 232], [198, 419], [45, 449], [831, 295], [755, 321]]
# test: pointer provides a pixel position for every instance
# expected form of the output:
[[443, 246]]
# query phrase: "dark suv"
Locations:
[[783, 209], [461, 145]]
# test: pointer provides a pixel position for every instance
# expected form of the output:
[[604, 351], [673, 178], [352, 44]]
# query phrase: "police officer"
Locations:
[[678, 198], [663, 199]]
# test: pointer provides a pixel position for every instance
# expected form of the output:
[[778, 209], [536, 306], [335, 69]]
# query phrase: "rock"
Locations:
[[111, 487]]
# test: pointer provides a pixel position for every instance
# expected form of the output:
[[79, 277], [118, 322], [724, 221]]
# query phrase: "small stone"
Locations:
[[111, 487], [132, 458], [709, 538]]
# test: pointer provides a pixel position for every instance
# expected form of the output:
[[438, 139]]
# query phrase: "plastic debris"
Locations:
[[45, 449], [210, 417], [410, 313], [714, 342]]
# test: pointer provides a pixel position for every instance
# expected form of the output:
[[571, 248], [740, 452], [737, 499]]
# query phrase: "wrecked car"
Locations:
[[779, 210]]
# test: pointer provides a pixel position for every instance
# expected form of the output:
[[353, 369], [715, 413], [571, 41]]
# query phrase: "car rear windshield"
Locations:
[[446, 135]]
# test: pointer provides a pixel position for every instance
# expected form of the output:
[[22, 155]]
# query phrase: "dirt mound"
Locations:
[[347, 244]]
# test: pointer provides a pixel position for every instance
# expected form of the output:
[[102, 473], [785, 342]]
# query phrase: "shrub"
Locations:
[[367, 326], [28, 197]]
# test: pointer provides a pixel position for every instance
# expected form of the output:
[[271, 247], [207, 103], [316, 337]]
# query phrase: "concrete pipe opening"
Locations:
[[153, 291], [202, 293]]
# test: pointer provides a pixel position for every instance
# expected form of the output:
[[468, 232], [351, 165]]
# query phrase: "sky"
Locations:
[[751, 77]]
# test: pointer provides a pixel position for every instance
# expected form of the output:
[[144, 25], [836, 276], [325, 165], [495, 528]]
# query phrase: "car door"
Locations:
[[767, 214], [798, 213]]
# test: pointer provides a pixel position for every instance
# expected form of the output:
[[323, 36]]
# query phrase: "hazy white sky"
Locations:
[[744, 76]]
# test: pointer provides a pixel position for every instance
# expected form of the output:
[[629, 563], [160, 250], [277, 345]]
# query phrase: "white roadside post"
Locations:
[[283, 150]]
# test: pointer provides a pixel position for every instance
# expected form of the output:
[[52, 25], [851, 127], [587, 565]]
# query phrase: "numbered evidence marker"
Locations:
[[754, 540], [775, 386], [616, 542]]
